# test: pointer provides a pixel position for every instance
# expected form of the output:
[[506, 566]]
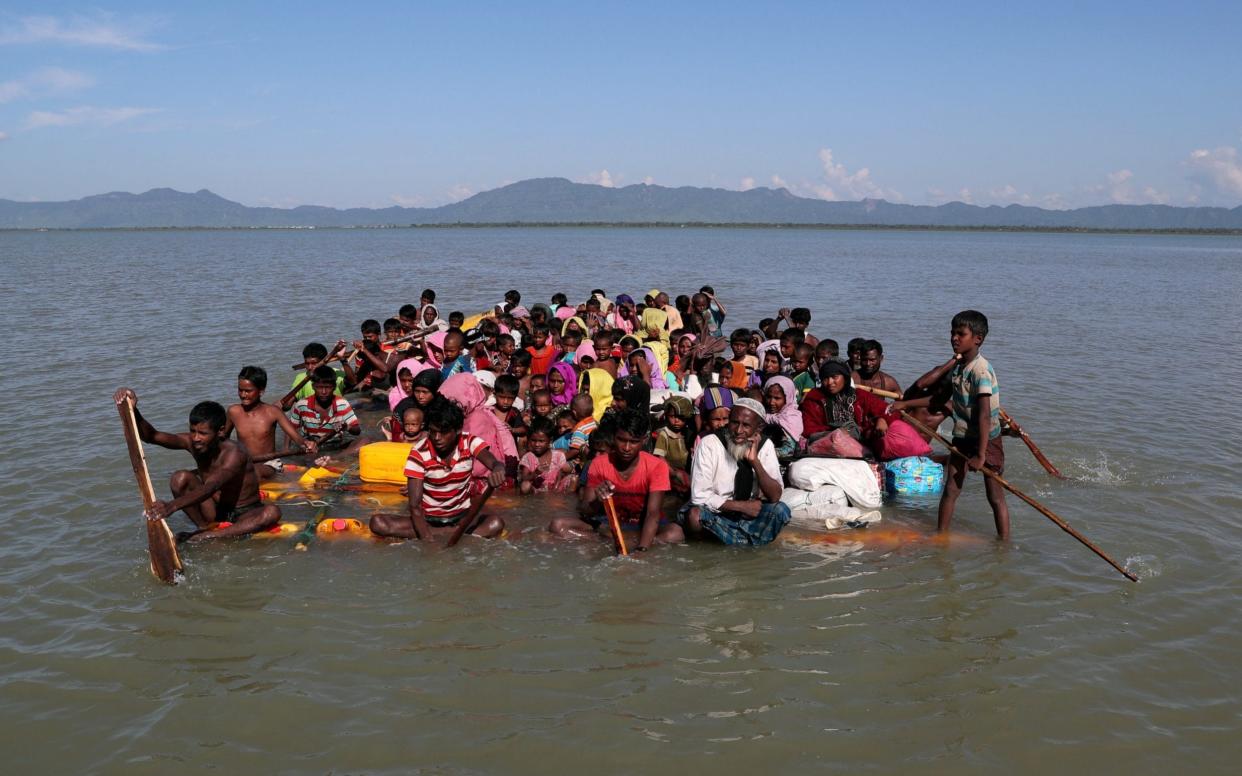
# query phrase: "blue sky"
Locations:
[[374, 104]]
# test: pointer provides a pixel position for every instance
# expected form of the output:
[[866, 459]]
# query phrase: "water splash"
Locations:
[[1103, 470], [1145, 566]]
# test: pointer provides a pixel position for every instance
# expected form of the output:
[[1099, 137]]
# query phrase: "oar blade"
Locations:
[[162, 549]]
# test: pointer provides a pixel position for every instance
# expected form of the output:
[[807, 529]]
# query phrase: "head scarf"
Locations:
[[601, 389], [547, 311], [764, 347], [789, 418], [439, 323], [634, 391], [429, 378], [465, 390], [395, 394], [571, 383], [573, 318], [565, 312], [625, 299], [715, 397], [587, 348], [838, 408], [434, 346], [657, 371]]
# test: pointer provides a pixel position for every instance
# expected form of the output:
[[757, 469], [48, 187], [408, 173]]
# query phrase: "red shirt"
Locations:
[[649, 474], [541, 360]]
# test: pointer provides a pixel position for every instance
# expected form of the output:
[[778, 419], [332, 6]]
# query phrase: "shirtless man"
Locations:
[[255, 422], [222, 489], [868, 372]]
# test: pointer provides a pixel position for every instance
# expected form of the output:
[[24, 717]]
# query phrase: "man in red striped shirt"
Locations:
[[438, 474]]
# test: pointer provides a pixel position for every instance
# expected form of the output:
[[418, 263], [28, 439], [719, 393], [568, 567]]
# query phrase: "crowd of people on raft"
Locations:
[[652, 407]]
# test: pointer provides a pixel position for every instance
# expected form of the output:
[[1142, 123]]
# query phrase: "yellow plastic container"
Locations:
[[341, 527], [313, 475], [278, 531], [383, 462]]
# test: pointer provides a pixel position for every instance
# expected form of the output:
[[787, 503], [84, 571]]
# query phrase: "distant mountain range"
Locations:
[[560, 201]]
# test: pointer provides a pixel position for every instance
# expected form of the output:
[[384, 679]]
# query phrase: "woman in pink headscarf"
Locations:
[[465, 390], [568, 383], [398, 391], [434, 347]]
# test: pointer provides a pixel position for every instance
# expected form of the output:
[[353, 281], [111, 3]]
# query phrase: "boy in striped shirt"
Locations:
[[323, 417], [438, 475]]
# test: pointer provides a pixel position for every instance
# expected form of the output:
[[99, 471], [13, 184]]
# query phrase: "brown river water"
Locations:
[[880, 650]]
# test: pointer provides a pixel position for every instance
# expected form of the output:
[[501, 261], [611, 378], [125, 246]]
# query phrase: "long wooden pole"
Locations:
[[610, 509], [1048, 513], [161, 546]]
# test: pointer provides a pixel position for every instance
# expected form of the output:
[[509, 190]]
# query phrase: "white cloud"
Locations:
[[84, 115], [1220, 170], [414, 201], [4, 136], [49, 80], [838, 183], [852, 185], [99, 32], [459, 192], [748, 183], [602, 178], [650, 181]]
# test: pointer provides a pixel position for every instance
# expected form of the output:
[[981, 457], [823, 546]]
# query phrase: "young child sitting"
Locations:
[[742, 363], [564, 422], [325, 418], [542, 352], [542, 468], [409, 417], [674, 440], [802, 376], [505, 396], [582, 410], [540, 406], [256, 421], [454, 360]]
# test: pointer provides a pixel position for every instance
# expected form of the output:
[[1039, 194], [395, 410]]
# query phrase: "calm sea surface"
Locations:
[[888, 652]]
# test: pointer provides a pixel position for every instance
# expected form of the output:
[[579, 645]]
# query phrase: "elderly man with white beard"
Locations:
[[735, 482]]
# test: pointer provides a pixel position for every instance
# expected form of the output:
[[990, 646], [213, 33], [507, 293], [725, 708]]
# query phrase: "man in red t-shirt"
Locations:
[[635, 479]]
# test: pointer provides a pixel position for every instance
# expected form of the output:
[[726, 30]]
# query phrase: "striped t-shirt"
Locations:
[[316, 422], [970, 381], [446, 481]]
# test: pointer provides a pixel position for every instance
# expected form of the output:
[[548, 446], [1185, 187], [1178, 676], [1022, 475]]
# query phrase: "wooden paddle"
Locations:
[[610, 509], [1030, 445], [878, 391], [1064, 526], [467, 522], [335, 355], [161, 546]]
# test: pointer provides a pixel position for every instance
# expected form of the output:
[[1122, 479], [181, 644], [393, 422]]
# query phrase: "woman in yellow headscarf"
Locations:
[[598, 383]]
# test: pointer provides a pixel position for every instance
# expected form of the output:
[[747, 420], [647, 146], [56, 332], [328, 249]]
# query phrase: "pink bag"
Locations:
[[838, 443], [902, 441]]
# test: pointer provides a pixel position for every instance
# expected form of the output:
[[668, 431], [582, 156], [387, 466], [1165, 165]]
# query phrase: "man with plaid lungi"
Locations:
[[735, 482]]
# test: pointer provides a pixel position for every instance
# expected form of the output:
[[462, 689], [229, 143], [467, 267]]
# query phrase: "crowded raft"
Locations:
[[660, 422]]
